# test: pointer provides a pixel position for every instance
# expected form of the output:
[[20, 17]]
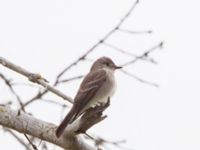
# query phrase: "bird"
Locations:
[[96, 88]]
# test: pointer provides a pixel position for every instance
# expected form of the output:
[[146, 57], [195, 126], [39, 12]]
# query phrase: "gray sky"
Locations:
[[44, 36]]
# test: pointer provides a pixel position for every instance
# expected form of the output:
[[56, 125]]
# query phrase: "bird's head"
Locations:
[[104, 63]]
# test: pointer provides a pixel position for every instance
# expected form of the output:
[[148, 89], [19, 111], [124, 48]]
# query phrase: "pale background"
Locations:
[[45, 35]]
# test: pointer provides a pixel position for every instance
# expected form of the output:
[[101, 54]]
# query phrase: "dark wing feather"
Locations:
[[90, 85]]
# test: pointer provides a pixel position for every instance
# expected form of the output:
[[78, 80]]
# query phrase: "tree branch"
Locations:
[[43, 130], [117, 27], [144, 54], [9, 84], [18, 139], [35, 78], [109, 34]]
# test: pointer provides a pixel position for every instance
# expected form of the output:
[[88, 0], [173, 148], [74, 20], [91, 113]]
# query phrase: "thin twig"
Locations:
[[37, 96], [33, 145], [129, 54], [9, 84], [53, 102], [24, 84], [139, 79], [71, 79], [119, 49], [111, 32], [17, 138], [136, 32], [83, 57], [99, 141], [143, 55]]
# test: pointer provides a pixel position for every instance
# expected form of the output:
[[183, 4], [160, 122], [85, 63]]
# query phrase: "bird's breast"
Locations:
[[107, 89]]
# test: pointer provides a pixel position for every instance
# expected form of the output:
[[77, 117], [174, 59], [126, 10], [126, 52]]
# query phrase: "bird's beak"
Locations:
[[118, 67]]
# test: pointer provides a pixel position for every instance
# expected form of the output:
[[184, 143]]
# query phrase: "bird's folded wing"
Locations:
[[90, 85]]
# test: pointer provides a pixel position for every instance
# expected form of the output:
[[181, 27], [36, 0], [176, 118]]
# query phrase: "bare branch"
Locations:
[[37, 96], [111, 32], [40, 94], [129, 54], [9, 84], [127, 14], [54, 102], [35, 78], [99, 141], [71, 79], [27, 124], [18, 138], [139, 79], [45, 131], [119, 49], [83, 57], [33, 145], [143, 55], [136, 32]]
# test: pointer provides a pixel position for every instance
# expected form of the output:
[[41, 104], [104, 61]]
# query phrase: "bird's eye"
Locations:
[[107, 64]]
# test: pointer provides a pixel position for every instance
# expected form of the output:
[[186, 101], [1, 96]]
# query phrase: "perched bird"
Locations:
[[97, 86]]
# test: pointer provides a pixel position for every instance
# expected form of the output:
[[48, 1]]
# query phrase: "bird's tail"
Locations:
[[68, 119]]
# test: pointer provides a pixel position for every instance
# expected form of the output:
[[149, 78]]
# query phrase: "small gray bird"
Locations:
[[96, 87]]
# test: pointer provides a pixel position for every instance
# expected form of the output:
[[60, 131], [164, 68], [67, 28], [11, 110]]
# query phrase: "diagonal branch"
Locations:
[[71, 79], [136, 32], [9, 84], [144, 55], [83, 57], [46, 131], [139, 79], [35, 78], [18, 139], [111, 32], [70, 140], [129, 54]]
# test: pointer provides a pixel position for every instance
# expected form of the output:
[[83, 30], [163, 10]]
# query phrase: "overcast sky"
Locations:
[[45, 35]]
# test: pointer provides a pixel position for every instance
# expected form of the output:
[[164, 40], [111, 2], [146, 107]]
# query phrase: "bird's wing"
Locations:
[[88, 88]]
